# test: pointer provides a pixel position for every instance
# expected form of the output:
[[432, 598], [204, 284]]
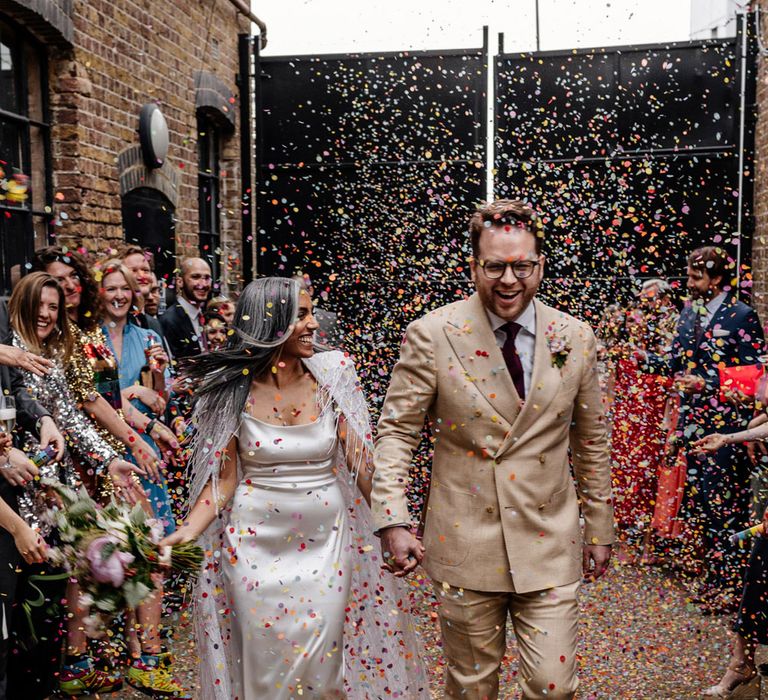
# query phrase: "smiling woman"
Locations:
[[39, 319], [40, 323]]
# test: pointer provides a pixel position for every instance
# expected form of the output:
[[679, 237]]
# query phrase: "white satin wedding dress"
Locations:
[[289, 564]]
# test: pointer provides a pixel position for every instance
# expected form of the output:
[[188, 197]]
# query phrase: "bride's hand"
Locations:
[[183, 535]]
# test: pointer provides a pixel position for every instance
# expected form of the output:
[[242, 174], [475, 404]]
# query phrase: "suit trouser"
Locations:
[[721, 506], [473, 626]]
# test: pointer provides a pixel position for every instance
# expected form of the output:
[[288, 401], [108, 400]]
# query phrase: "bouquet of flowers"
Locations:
[[113, 549]]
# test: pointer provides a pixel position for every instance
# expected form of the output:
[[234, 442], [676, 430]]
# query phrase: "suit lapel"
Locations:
[[469, 334], [687, 326], [720, 315], [546, 378]]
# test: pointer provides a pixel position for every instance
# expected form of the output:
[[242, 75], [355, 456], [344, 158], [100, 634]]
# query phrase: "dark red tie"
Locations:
[[509, 351], [203, 338]]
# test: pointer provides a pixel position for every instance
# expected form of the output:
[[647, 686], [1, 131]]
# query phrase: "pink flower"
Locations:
[[112, 568], [156, 530]]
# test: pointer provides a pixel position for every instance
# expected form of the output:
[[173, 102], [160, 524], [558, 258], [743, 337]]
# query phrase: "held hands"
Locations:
[[16, 357], [595, 558], [401, 550]]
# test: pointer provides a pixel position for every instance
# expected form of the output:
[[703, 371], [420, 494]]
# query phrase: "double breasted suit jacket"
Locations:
[[503, 510]]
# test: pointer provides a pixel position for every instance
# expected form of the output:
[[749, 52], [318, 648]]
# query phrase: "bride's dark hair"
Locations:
[[264, 318]]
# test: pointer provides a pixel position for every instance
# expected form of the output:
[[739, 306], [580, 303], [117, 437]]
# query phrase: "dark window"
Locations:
[[209, 198], [149, 221], [25, 161]]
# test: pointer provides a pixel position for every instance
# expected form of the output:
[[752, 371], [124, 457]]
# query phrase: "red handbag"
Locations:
[[743, 378]]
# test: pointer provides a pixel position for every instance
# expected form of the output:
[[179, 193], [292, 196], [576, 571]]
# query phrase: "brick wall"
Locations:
[[123, 54], [760, 242]]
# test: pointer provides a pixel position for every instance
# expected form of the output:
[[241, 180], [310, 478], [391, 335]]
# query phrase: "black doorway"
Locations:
[[149, 221]]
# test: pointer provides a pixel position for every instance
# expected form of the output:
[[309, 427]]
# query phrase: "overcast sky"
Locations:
[[341, 26]]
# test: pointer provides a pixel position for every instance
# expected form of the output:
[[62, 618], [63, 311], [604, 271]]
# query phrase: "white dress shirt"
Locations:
[[711, 308], [525, 342], [194, 315]]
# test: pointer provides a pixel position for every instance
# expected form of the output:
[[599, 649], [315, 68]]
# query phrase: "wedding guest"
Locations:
[[30, 414], [152, 299], [17, 539], [142, 366], [638, 435], [137, 260], [215, 330], [610, 334], [223, 306], [40, 325], [751, 624], [715, 330], [136, 349], [298, 427], [92, 372], [93, 378], [16, 468], [183, 321]]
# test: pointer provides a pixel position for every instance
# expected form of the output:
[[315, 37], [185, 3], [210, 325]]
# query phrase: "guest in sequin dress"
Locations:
[[92, 374], [94, 380], [40, 325]]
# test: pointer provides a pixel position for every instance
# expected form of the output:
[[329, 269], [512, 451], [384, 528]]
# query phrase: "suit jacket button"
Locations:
[[497, 460], [489, 509], [542, 458]]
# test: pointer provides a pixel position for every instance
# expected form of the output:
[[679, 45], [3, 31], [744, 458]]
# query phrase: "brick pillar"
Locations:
[[760, 242]]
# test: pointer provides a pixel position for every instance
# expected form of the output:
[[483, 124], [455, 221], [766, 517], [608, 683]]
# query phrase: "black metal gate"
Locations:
[[634, 154], [369, 166]]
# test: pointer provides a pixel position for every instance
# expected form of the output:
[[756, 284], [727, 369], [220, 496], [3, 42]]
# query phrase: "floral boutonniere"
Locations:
[[558, 348]]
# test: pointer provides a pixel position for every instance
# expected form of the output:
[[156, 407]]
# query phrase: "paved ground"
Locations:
[[641, 640]]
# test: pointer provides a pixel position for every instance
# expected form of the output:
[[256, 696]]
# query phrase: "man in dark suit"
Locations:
[[715, 331], [183, 321]]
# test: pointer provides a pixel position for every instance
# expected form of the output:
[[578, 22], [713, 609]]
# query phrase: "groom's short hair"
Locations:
[[504, 212]]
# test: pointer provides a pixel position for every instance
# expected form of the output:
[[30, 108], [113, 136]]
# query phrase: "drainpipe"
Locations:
[[243, 9], [742, 128]]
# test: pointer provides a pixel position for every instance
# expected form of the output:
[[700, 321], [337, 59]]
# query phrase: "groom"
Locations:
[[507, 385]]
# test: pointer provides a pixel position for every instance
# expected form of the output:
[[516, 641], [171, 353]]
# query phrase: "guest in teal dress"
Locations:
[[143, 371]]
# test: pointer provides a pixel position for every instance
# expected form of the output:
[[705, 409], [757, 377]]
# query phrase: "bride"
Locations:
[[291, 601]]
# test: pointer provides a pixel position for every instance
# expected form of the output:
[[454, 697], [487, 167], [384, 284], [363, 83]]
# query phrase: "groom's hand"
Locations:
[[401, 550], [596, 558]]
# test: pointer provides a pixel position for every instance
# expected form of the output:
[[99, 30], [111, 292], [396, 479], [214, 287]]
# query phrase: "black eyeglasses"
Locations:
[[495, 269]]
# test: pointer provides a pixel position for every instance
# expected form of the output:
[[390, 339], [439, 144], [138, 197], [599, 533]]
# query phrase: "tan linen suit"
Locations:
[[503, 512]]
